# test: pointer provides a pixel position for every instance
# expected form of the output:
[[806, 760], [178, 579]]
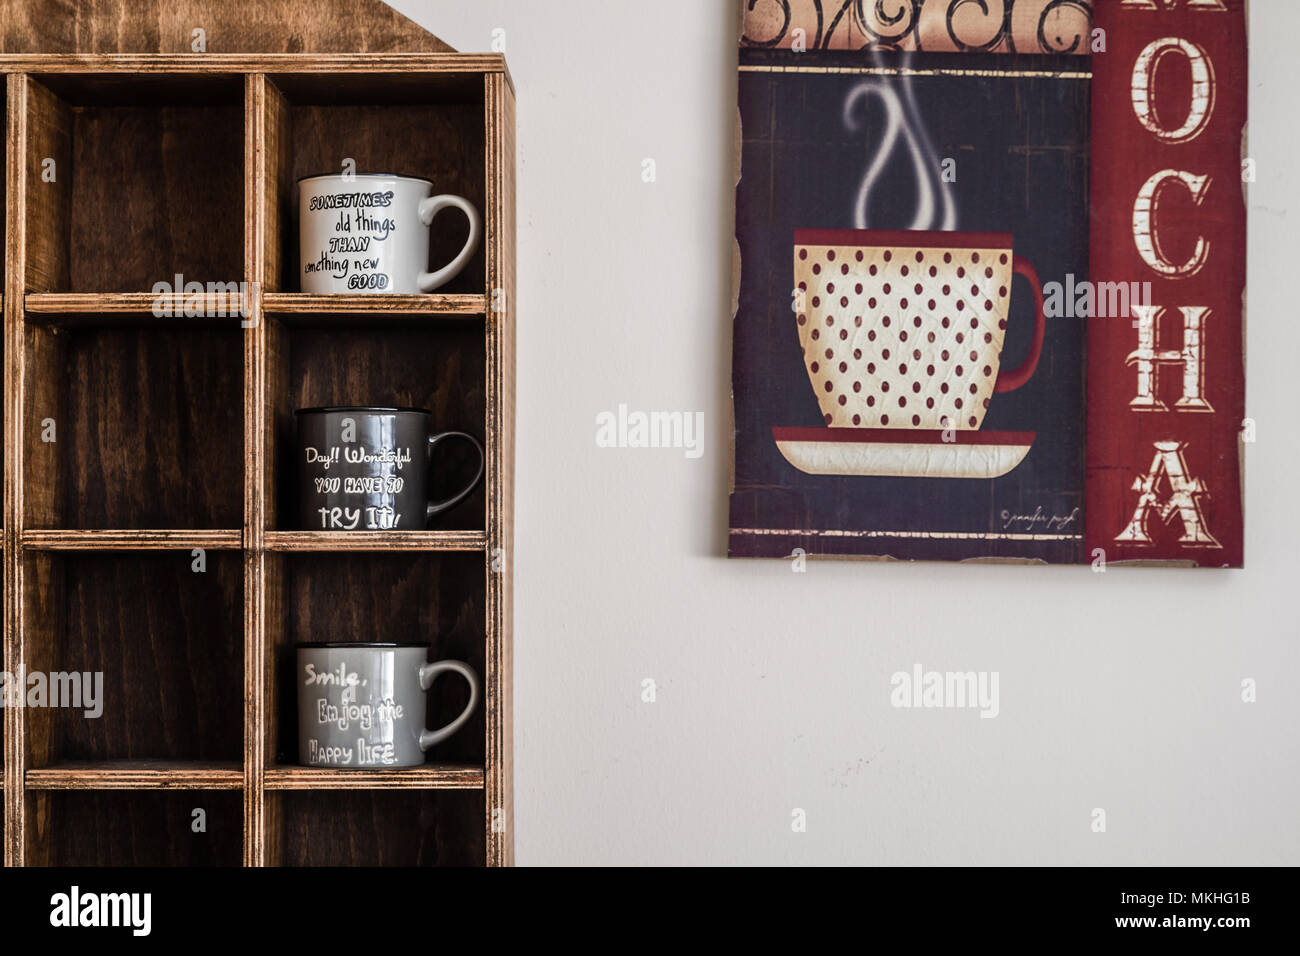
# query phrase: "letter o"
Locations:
[[1144, 73]]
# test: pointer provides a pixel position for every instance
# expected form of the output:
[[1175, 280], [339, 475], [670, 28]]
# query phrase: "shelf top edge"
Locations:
[[60, 539], [203, 63], [136, 775], [464, 541], [273, 303], [428, 777]]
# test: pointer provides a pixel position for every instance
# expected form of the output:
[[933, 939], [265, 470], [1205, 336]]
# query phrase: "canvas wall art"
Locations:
[[990, 270]]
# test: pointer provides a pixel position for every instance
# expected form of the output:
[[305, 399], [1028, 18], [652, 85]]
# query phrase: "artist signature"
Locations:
[[1039, 520]]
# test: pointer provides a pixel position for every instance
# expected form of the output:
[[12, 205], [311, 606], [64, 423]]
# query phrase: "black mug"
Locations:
[[365, 468]]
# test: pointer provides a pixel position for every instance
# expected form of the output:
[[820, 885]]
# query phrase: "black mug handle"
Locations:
[[434, 507]]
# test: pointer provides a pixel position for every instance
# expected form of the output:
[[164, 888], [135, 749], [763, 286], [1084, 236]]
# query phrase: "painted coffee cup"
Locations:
[[367, 468], [364, 704], [905, 329], [370, 233]]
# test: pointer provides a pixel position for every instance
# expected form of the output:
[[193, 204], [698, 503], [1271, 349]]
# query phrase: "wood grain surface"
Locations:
[[166, 26], [118, 540], [149, 430], [167, 640], [185, 218], [439, 776], [137, 775], [15, 245], [376, 308], [381, 828], [139, 828], [499, 680], [375, 541]]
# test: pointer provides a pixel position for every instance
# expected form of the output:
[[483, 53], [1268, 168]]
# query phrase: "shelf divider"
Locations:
[[428, 777], [50, 306], [375, 540], [499, 118], [264, 128], [137, 775], [433, 305], [15, 661], [54, 539]]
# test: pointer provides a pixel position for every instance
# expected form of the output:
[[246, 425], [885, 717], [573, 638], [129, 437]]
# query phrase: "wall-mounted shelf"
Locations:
[[148, 500]]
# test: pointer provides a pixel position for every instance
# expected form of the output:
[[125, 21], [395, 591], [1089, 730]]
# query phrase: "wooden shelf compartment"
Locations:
[[132, 180], [78, 827], [378, 828], [146, 425], [398, 597], [439, 368], [152, 648], [429, 125]]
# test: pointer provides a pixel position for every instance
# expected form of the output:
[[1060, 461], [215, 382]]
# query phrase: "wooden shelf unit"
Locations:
[[152, 540]]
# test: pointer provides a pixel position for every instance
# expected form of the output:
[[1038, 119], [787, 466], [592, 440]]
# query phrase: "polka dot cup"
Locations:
[[905, 329]]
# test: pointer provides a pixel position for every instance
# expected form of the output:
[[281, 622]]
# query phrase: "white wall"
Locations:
[[1119, 691]]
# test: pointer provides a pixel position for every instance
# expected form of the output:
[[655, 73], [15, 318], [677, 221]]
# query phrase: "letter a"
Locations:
[[1184, 499]]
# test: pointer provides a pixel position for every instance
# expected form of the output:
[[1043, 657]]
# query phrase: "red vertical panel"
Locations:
[[1197, 487]]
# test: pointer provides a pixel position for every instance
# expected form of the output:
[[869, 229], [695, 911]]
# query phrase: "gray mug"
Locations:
[[362, 705]]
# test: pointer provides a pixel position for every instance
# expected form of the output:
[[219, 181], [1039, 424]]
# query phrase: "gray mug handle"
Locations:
[[434, 507], [427, 673]]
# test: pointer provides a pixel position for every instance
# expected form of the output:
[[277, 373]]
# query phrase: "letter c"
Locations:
[[1145, 227]]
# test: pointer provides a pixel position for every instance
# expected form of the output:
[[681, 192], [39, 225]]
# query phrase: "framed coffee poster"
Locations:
[[990, 269]]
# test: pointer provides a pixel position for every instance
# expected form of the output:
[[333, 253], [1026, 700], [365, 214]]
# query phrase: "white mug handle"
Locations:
[[427, 673], [430, 207]]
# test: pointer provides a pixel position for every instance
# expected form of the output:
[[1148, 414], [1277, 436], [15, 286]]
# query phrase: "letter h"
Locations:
[[1148, 360]]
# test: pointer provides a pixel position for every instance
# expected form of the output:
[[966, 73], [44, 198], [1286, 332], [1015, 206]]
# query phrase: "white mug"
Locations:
[[369, 232]]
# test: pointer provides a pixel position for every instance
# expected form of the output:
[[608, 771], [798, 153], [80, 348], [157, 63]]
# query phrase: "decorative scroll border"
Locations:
[[938, 26]]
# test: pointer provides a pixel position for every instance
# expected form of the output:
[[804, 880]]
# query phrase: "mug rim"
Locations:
[[317, 409], [418, 179], [300, 645]]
